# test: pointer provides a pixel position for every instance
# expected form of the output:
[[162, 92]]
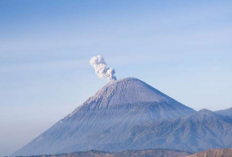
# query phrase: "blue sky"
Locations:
[[182, 48]]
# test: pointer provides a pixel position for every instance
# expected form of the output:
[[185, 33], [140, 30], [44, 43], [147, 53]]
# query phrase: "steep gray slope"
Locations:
[[226, 112], [200, 131], [102, 122]]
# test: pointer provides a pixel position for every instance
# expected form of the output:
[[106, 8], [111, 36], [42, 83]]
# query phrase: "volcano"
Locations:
[[104, 120]]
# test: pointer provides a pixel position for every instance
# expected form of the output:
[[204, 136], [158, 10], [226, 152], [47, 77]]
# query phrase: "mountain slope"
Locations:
[[226, 112], [103, 121], [214, 153], [200, 131]]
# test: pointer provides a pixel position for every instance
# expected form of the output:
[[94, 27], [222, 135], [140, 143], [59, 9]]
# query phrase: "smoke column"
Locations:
[[101, 68]]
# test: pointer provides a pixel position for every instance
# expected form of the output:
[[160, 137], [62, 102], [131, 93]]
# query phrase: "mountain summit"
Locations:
[[103, 121]]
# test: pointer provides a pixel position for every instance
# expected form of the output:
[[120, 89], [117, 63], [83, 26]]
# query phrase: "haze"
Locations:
[[181, 48]]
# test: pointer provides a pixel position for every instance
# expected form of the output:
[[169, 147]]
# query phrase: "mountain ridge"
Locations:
[[225, 112], [196, 132]]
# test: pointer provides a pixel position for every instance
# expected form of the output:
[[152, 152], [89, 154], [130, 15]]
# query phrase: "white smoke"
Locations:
[[101, 70]]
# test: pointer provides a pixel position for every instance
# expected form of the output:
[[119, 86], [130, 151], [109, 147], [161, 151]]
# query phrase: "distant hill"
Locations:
[[135, 153], [200, 131], [226, 112], [214, 153], [105, 119]]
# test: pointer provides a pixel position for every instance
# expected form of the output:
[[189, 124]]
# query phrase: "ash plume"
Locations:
[[101, 68]]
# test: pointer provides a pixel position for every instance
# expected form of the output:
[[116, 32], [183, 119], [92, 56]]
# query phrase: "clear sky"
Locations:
[[182, 48]]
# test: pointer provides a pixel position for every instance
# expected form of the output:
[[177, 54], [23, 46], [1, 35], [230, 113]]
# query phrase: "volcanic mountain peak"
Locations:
[[103, 121], [127, 91]]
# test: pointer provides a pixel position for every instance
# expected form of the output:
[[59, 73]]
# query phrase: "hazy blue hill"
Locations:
[[200, 131], [226, 112], [105, 120]]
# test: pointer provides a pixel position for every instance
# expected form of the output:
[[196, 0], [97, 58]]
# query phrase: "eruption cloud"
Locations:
[[101, 68]]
